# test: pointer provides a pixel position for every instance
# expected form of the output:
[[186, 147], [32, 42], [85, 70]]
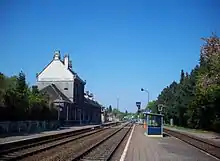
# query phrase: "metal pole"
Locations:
[[58, 113], [117, 103], [67, 112], [80, 116], [148, 96], [148, 93]]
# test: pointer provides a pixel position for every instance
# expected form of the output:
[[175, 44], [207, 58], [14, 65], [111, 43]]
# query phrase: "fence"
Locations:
[[9, 127]]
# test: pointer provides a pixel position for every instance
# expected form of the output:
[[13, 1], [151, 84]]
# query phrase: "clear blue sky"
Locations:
[[117, 46]]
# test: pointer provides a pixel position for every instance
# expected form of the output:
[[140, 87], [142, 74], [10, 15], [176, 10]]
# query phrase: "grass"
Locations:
[[187, 129]]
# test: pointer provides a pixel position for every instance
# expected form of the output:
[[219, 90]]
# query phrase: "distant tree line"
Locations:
[[20, 102], [194, 101], [116, 112]]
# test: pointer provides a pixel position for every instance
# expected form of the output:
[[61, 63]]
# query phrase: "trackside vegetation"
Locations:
[[194, 101], [19, 102]]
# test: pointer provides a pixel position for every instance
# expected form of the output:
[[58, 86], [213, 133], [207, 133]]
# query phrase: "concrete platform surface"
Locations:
[[143, 148], [4, 140], [198, 133]]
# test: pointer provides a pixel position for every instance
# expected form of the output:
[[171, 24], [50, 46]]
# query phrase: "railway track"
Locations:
[[15, 146], [202, 144], [104, 148], [58, 149], [16, 153]]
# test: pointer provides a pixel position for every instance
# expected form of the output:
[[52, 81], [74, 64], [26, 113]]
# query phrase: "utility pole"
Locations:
[[148, 94], [117, 116], [117, 103]]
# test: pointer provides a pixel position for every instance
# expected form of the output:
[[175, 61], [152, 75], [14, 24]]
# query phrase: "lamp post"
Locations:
[[148, 93]]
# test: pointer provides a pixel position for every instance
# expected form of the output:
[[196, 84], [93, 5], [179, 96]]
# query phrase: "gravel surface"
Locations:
[[66, 151], [32, 150], [45, 133], [117, 154], [104, 150]]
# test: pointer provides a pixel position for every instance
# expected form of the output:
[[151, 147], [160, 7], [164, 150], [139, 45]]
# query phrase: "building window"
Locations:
[[65, 88]]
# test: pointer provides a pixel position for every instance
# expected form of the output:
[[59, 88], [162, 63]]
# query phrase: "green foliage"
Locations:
[[194, 101], [110, 109], [117, 113], [19, 102], [152, 106], [5, 84], [21, 85]]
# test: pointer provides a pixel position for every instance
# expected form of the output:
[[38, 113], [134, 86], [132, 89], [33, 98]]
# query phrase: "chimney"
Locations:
[[56, 55], [91, 96], [66, 61], [87, 93], [70, 64]]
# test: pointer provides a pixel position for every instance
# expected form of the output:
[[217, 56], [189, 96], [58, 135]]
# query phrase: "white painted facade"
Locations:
[[56, 71], [59, 72]]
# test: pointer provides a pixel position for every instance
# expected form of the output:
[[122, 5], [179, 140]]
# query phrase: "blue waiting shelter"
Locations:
[[154, 124]]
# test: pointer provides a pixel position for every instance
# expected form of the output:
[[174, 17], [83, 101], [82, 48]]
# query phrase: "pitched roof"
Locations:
[[94, 103], [55, 93], [73, 73], [77, 76], [44, 68]]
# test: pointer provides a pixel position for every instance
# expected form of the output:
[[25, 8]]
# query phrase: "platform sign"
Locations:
[[160, 107], [138, 104]]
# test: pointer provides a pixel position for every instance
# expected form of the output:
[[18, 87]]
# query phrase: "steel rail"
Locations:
[[83, 154], [202, 144], [17, 154]]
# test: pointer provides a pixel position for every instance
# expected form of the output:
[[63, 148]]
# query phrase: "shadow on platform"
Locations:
[[166, 135]]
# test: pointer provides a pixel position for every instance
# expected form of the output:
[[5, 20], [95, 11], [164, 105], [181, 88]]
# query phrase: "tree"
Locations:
[[115, 111], [5, 84], [208, 86], [2, 85], [110, 109], [35, 90], [21, 83], [18, 102], [22, 95], [194, 101], [152, 106]]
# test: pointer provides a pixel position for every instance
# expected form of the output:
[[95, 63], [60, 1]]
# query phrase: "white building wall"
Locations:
[[66, 87], [56, 71], [103, 117]]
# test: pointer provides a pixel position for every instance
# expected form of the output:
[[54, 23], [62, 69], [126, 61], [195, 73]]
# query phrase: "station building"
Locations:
[[65, 91]]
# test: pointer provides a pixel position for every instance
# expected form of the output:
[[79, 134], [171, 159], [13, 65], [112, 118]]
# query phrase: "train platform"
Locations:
[[208, 135], [143, 148], [9, 139]]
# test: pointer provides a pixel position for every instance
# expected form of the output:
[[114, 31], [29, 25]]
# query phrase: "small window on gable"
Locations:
[[65, 88]]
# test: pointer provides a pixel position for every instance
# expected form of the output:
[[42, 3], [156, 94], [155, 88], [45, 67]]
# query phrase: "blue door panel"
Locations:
[[154, 130]]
